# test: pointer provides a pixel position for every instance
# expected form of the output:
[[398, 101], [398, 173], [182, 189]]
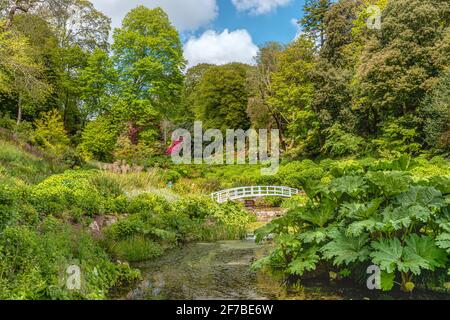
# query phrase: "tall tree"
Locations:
[[263, 114], [335, 68], [148, 56], [10, 8], [400, 64], [97, 83], [313, 19], [77, 23], [21, 77], [193, 78], [221, 97], [293, 95]]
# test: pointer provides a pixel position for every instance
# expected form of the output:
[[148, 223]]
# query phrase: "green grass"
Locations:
[[135, 249], [17, 163]]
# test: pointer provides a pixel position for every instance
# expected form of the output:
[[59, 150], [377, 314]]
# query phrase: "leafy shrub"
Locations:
[[340, 143], [171, 176], [147, 202], [33, 264], [98, 140], [72, 159], [11, 193], [72, 189], [399, 136], [389, 218], [50, 134]]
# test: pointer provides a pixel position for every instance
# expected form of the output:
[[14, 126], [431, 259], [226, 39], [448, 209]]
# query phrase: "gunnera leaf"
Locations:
[[317, 236], [345, 249], [305, 261], [350, 185], [443, 241], [319, 215], [420, 195], [388, 254], [390, 183], [422, 252], [357, 228], [387, 281], [360, 211]]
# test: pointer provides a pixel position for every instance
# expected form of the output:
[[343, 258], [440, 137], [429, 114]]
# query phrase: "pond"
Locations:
[[221, 270]]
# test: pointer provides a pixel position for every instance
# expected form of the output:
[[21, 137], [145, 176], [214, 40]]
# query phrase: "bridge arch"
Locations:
[[254, 192]]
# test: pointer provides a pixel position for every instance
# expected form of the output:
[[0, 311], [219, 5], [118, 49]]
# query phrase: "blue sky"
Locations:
[[271, 26], [220, 31]]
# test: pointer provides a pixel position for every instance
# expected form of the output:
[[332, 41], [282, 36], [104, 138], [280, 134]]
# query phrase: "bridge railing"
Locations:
[[253, 192]]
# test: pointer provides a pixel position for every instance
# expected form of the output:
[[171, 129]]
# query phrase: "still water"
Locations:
[[221, 270]]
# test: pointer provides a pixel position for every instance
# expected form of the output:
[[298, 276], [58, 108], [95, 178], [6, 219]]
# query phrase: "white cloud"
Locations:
[[221, 48], [186, 15], [298, 28], [258, 7]]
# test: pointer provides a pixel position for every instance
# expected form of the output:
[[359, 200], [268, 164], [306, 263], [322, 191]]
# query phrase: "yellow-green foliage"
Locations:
[[50, 133], [66, 191]]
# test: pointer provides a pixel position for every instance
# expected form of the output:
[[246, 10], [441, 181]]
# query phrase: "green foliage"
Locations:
[[136, 249], [50, 134], [221, 97], [420, 253], [364, 213], [293, 94], [17, 163], [398, 136], [33, 263], [70, 190], [98, 140], [346, 250], [148, 58], [340, 143], [437, 114]]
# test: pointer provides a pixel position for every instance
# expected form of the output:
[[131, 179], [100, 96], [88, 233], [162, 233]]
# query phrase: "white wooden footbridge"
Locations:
[[253, 192]]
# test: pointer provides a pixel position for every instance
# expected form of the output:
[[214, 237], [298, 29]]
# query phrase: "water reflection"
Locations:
[[222, 271]]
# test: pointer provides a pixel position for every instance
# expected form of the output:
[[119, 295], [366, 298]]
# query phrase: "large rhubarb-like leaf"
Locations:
[[420, 195], [305, 261], [350, 185], [391, 183], [388, 254], [443, 241], [317, 236], [318, 215], [418, 254], [425, 248], [345, 249], [370, 225], [360, 211], [387, 281]]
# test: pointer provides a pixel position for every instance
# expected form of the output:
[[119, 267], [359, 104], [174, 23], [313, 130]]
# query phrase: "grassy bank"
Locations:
[[47, 218]]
